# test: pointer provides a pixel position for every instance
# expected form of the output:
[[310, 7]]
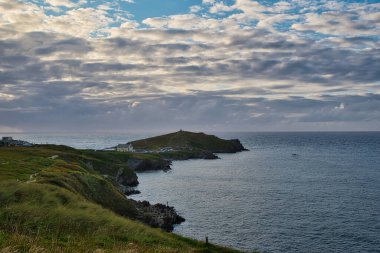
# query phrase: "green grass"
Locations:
[[66, 205]]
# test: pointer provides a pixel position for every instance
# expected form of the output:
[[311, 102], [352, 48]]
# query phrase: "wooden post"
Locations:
[[206, 239]]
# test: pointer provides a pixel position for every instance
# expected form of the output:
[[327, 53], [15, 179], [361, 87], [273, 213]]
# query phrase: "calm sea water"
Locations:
[[292, 192]]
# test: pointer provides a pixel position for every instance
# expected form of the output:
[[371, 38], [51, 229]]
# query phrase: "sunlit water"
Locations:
[[292, 192]]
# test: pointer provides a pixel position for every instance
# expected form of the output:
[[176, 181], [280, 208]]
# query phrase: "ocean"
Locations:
[[292, 192]]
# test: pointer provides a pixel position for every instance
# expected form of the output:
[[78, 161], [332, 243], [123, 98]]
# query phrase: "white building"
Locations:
[[125, 147]]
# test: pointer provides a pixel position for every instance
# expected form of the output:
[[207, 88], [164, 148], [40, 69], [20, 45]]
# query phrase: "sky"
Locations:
[[207, 65]]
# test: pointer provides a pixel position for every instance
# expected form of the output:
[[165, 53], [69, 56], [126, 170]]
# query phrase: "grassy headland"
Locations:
[[60, 199], [183, 145]]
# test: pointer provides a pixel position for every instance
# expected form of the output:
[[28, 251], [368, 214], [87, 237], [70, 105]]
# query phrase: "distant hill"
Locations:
[[189, 141]]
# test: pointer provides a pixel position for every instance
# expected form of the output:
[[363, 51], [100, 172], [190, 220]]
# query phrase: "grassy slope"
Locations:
[[64, 205], [186, 140]]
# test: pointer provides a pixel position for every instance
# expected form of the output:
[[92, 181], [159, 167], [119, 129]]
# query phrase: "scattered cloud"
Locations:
[[224, 65], [64, 3], [195, 8]]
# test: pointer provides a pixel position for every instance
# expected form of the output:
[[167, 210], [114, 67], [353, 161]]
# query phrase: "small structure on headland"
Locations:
[[7, 139], [125, 147], [10, 142], [129, 148]]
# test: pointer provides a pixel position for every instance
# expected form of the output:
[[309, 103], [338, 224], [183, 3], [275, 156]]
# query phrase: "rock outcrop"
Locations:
[[140, 165], [127, 177], [158, 215]]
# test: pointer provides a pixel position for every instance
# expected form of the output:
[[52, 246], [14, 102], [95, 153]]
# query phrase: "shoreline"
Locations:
[[164, 216], [99, 178], [61, 192]]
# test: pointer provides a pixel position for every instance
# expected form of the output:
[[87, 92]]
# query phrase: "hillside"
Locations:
[[59, 199], [189, 141]]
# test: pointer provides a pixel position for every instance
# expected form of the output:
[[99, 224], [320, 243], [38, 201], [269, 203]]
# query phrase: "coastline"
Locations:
[[99, 179], [164, 216]]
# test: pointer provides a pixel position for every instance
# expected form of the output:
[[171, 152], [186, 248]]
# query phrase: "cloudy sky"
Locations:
[[211, 65]]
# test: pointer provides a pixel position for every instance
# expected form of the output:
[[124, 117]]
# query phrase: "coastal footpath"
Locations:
[[60, 199]]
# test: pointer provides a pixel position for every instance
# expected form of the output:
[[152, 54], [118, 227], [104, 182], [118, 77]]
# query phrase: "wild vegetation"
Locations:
[[59, 199]]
